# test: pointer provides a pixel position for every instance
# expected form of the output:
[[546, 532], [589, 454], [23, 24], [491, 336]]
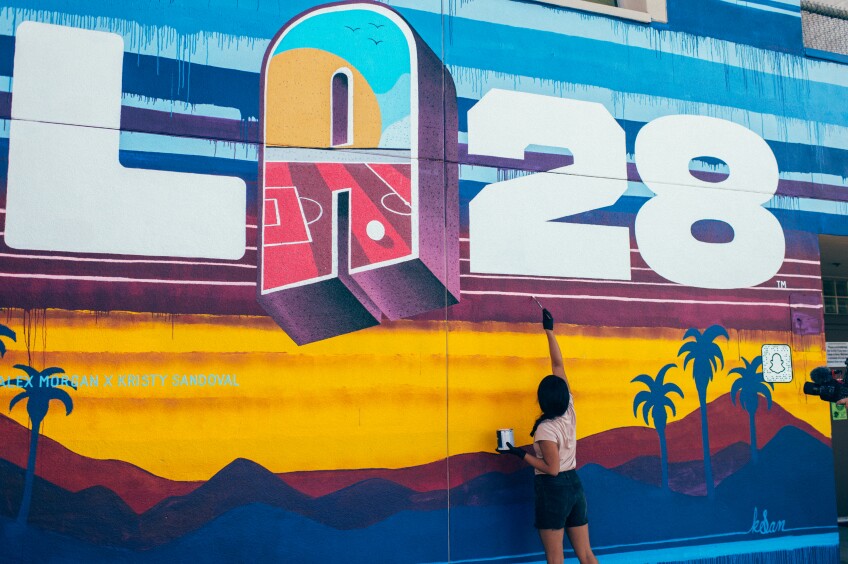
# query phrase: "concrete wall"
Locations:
[[268, 270]]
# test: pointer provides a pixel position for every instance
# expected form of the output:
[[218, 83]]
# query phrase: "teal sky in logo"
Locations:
[[369, 41], [375, 46]]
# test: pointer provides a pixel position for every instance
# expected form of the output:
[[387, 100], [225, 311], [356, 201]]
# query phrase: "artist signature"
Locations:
[[764, 526]]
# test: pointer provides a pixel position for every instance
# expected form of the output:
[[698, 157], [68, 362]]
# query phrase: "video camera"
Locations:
[[825, 385]]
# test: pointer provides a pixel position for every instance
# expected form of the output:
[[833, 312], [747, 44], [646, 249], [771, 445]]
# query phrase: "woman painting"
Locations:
[[560, 501]]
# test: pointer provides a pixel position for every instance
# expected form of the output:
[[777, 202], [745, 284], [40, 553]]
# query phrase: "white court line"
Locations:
[[392, 188]]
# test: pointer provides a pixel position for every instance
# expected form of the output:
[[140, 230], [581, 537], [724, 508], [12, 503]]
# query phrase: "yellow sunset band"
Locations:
[[384, 397]]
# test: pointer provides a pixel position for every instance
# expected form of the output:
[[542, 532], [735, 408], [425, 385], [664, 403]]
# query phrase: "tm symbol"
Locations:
[[781, 283]]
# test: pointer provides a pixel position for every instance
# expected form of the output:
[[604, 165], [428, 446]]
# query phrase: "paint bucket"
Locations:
[[505, 436]]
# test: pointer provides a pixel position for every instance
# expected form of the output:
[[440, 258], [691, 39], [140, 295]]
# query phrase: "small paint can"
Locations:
[[505, 436]]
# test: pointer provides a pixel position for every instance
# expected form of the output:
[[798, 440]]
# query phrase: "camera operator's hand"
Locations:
[[547, 320]]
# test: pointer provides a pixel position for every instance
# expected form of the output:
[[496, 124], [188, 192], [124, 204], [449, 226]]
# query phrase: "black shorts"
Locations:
[[560, 501]]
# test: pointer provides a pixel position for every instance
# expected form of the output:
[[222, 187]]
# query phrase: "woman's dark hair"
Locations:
[[553, 399]]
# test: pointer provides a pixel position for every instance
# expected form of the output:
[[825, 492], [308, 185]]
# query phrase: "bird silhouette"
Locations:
[[353, 29], [375, 41], [375, 25]]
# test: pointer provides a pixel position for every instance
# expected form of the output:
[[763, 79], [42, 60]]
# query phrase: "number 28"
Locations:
[[511, 222]]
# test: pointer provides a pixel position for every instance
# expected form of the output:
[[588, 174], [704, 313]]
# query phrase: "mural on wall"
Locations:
[[284, 254]]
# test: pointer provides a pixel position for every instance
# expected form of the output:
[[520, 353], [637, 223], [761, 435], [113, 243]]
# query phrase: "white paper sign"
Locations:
[[777, 363], [836, 353]]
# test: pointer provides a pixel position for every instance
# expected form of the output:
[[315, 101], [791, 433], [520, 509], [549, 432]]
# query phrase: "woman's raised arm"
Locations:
[[557, 366]]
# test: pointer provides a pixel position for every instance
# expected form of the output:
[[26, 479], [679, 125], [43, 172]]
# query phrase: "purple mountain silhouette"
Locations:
[[74, 472], [687, 477], [142, 490], [98, 515]]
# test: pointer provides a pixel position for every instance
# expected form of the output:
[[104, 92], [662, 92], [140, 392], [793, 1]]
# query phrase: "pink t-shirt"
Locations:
[[563, 431]]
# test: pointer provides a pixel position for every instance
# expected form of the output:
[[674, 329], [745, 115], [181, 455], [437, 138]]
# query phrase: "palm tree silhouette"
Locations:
[[656, 401], [9, 334], [704, 354], [750, 386], [38, 391]]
